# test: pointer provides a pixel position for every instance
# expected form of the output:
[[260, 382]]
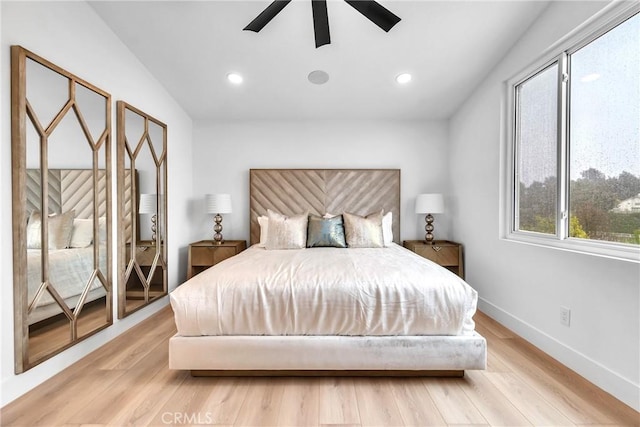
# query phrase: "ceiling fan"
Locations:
[[371, 9]]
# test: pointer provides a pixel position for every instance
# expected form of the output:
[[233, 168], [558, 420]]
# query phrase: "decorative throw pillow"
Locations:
[[82, 233], [102, 230], [263, 222], [387, 228], [286, 232], [364, 232], [60, 227], [325, 232], [33, 230]]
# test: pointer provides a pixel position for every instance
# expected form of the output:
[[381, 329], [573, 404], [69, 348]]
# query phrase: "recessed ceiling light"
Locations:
[[234, 78], [403, 78], [590, 78], [318, 77]]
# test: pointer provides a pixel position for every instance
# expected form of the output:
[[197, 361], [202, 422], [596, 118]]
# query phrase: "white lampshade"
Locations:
[[148, 204], [429, 203], [218, 203]]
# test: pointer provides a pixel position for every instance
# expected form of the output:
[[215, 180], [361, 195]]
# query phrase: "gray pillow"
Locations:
[[325, 232]]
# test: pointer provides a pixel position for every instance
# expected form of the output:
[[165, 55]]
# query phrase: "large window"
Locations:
[[576, 143]]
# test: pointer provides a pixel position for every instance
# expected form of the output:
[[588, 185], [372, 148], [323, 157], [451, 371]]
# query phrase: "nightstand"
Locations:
[[145, 252], [205, 253], [447, 254], [145, 255]]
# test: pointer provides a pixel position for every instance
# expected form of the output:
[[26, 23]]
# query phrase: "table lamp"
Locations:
[[218, 204], [149, 206], [429, 204]]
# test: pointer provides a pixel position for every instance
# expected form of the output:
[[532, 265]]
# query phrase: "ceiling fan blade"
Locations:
[[375, 12], [320, 22], [266, 15]]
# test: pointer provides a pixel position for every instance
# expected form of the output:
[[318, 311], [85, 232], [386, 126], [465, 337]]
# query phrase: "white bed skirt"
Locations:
[[293, 352]]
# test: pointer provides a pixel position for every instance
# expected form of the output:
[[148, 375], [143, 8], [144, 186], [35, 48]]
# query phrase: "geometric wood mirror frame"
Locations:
[[61, 182], [142, 235]]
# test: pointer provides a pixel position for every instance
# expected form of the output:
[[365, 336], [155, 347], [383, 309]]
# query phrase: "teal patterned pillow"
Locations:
[[323, 232]]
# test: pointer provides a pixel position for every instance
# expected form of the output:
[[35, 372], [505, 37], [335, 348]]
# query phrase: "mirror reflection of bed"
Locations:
[[73, 254]]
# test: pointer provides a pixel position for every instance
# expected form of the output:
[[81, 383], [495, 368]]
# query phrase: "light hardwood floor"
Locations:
[[127, 382]]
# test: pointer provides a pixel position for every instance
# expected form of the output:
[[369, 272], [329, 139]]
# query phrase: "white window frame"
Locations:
[[607, 19]]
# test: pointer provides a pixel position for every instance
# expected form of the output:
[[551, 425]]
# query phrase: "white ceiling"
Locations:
[[448, 47]]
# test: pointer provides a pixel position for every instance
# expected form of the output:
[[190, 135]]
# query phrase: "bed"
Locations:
[[325, 310]]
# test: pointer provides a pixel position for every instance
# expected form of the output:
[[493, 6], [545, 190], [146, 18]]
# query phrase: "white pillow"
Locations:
[[60, 226], [387, 228], [286, 232], [102, 230], [82, 233], [34, 236], [263, 222]]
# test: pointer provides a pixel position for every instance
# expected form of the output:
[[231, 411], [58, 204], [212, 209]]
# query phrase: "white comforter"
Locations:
[[325, 291]]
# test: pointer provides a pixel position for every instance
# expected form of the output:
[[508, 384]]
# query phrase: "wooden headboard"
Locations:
[[318, 191]]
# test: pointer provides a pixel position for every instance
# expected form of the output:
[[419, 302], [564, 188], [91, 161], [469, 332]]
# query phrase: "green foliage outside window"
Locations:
[[595, 211]]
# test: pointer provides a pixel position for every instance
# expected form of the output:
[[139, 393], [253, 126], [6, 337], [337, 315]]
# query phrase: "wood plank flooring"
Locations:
[[127, 382]]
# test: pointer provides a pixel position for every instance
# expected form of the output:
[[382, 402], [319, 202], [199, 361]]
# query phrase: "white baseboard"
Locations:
[[613, 383]]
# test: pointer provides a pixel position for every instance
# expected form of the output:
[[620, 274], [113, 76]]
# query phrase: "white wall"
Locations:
[[224, 153], [523, 286], [72, 36]]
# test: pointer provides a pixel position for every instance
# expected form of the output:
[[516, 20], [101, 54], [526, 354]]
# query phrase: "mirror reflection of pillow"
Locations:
[[82, 234], [60, 228], [33, 231], [102, 230]]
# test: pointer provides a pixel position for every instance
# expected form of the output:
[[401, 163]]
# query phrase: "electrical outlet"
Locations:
[[565, 316]]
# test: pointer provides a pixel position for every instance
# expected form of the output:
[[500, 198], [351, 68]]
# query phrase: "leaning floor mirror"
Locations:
[[142, 207], [61, 182]]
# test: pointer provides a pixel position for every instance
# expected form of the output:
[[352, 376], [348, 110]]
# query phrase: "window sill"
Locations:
[[599, 249]]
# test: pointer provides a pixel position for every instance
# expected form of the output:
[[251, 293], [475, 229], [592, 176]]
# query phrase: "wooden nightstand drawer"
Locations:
[[205, 253], [443, 252], [443, 255], [145, 253], [211, 256]]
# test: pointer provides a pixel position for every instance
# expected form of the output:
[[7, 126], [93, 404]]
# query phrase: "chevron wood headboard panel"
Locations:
[[293, 191]]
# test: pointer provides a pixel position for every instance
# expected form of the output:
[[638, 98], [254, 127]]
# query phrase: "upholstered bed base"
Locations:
[[327, 354]]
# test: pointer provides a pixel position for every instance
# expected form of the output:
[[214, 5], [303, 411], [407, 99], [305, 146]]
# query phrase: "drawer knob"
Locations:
[[437, 248]]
